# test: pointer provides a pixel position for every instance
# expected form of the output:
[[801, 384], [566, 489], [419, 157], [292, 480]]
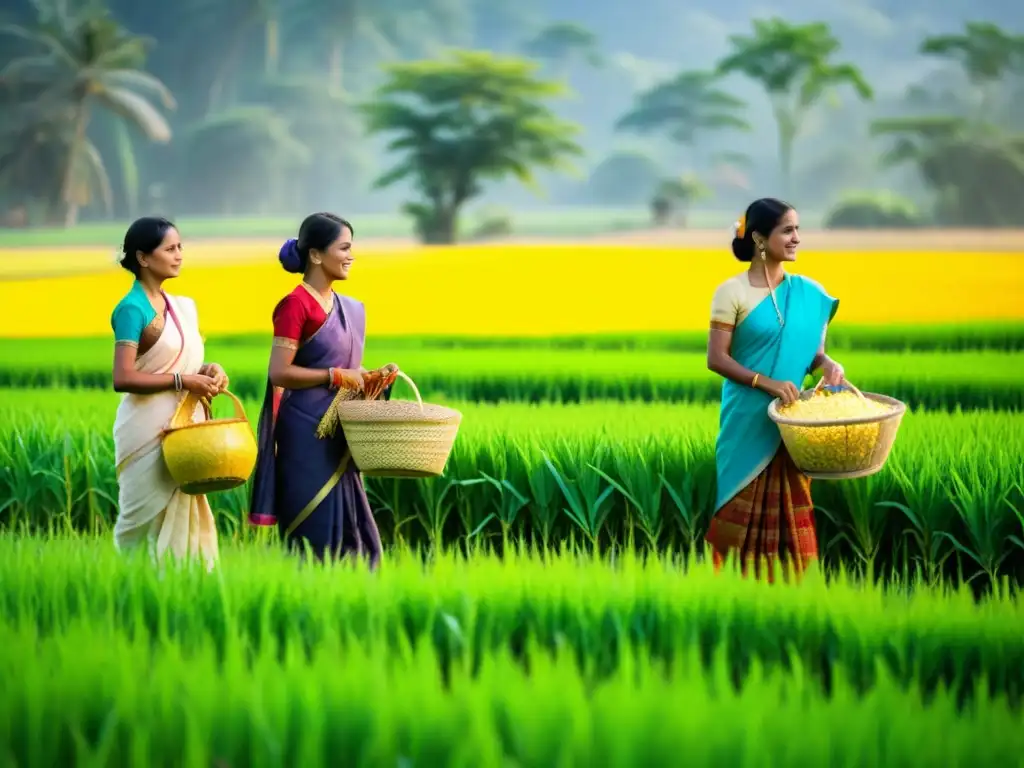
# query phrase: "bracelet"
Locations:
[[334, 378], [177, 382], [753, 383]]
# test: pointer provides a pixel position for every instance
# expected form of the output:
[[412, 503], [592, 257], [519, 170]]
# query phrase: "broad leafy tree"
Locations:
[[973, 165], [683, 108], [463, 120]]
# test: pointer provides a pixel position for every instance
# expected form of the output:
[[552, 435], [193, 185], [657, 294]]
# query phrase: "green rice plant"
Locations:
[[83, 701], [934, 380], [640, 485], [587, 503], [928, 512], [982, 502], [863, 522], [657, 461], [469, 608]]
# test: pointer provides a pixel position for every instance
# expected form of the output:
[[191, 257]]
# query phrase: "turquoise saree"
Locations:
[[748, 440]]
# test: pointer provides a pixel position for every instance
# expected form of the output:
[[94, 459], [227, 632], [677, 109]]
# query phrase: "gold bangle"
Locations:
[[753, 383]]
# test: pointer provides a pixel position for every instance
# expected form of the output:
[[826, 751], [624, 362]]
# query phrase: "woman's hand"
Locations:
[[348, 378], [214, 371], [832, 373], [786, 391], [199, 384], [375, 382]]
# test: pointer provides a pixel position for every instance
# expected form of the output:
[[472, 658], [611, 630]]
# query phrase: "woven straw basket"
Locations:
[[840, 449], [209, 456], [395, 438]]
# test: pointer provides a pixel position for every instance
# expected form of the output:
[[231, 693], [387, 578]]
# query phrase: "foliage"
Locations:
[[793, 63], [77, 61], [685, 107], [251, 144], [985, 51], [873, 210], [562, 460], [489, 663], [336, 50], [673, 198], [556, 372], [975, 170], [492, 222], [624, 178], [463, 120], [562, 42]]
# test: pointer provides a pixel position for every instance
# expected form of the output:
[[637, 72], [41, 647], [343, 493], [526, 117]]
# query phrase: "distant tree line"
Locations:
[[276, 127]]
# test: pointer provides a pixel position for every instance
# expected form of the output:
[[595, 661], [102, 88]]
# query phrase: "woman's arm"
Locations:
[[130, 381], [720, 361], [284, 373], [127, 380]]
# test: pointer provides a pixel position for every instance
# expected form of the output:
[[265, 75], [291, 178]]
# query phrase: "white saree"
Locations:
[[152, 510]]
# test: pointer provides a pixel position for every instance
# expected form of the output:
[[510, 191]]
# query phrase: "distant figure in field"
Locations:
[[158, 356], [306, 486], [767, 333]]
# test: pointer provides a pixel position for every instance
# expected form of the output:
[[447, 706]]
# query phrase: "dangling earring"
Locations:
[[763, 256]]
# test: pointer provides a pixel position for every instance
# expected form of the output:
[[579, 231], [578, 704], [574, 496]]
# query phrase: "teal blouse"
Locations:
[[131, 315]]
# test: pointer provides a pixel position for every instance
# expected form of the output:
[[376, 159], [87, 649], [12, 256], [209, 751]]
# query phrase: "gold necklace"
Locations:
[[326, 303]]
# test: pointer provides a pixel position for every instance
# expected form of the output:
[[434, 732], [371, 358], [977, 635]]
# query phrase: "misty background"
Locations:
[[265, 119]]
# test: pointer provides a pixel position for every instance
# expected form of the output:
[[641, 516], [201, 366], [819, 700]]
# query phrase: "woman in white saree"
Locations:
[[158, 357]]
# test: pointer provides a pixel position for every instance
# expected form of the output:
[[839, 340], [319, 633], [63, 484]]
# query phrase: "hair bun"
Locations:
[[290, 257]]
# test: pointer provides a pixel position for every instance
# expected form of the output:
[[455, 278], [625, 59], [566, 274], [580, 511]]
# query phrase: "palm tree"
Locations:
[[234, 20], [75, 62], [394, 29], [987, 55], [793, 63]]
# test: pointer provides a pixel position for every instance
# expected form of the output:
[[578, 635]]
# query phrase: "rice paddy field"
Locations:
[[547, 602]]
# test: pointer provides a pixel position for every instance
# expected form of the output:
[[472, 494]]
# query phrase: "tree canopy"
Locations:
[[462, 120], [74, 62], [794, 64]]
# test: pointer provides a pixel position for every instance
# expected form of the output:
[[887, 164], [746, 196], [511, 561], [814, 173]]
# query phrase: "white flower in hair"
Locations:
[[118, 256], [735, 228]]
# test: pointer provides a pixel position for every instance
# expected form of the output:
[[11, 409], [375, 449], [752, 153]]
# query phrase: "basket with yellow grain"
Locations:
[[838, 435], [392, 438], [211, 455]]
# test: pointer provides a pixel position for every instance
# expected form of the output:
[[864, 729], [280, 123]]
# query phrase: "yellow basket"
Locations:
[[840, 449], [212, 455], [395, 438]]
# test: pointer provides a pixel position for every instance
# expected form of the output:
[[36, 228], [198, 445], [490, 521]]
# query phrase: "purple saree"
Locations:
[[308, 486]]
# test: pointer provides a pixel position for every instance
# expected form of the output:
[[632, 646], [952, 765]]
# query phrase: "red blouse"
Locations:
[[297, 317]]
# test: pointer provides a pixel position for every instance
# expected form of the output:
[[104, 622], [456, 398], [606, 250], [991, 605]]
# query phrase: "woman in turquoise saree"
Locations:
[[767, 333]]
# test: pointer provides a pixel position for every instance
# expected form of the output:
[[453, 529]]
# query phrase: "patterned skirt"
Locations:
[[769, 522]]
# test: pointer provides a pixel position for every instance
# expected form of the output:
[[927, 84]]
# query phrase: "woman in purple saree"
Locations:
[[307, 486]]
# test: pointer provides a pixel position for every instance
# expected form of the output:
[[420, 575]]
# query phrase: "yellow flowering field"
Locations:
[[521, 290]]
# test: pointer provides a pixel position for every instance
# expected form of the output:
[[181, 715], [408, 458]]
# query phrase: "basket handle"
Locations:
[[415, 389], [845, 385], [187, 405]]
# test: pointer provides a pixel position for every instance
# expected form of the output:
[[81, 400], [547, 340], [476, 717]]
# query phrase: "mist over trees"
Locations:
[[879, 113]]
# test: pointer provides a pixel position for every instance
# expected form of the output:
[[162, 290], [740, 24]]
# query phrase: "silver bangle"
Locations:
[[177, 382]]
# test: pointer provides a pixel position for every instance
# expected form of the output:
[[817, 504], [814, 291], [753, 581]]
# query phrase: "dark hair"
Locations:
[[762, 216], [318, 230], [145, 236]]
